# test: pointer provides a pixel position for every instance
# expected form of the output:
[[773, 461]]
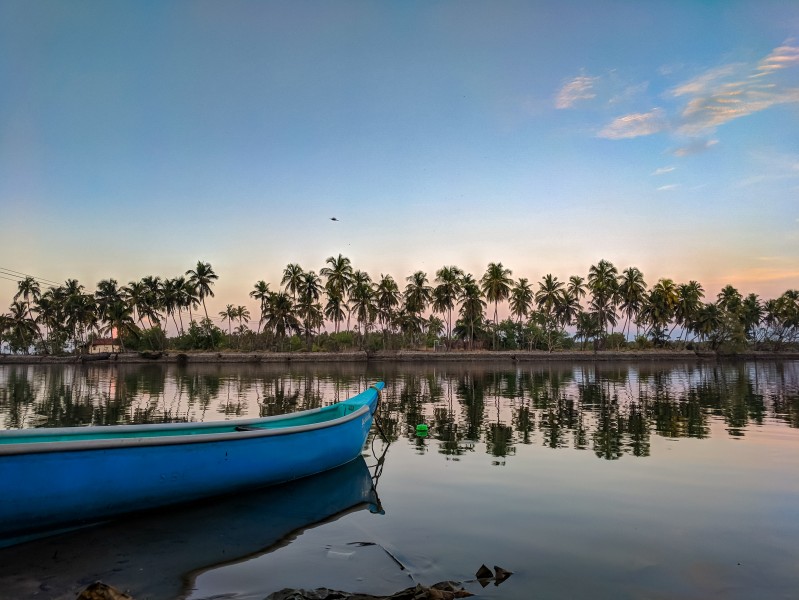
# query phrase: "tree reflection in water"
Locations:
[[613, 409]]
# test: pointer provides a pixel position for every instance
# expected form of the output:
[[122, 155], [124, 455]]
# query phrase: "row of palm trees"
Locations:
[[602, 308]]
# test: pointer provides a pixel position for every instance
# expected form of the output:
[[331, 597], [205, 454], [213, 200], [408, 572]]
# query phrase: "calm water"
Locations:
[[603, 481]]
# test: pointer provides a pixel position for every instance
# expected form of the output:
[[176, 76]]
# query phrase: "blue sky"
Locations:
[[139, 137]]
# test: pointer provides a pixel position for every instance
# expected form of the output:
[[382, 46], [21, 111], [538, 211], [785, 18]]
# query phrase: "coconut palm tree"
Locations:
[[229, 313], [689, 301], [119, 320], [567, 309], [446, 293], [107, 293], [751, 314], [5, 326], [603, 285], [292, 275], [280, 316], [387, 298], [153, 299], [308, 307], [631, 293], [658, 309], [261, 293], [496, 285], [201, 278], [521, 299], [336, 309], [729, 300], [190, 298], [362, 296], [22, 328], [29, 290], [339, 279], [576, 287], [472, 306], [134, 294], [417, 294], [548, 298], [170, 301]]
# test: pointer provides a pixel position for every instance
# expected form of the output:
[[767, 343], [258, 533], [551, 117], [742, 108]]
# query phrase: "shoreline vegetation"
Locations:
[[342, 312], [406, 356]]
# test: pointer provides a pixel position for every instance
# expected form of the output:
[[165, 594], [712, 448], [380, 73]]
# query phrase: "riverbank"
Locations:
[[411, 356]]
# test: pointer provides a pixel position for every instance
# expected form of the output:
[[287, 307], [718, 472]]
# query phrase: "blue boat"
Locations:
[[159, 554], [58, 478]]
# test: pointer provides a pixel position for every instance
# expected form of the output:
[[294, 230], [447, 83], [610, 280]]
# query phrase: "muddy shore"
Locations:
[[413, 356]]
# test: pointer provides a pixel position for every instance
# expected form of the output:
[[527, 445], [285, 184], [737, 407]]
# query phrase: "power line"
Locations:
[[14, 273]]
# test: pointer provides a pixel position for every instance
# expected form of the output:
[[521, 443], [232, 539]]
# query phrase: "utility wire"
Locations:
[[14, 273]]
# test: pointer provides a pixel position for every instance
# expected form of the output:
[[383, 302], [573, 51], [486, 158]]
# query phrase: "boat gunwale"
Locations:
[[232, 435]]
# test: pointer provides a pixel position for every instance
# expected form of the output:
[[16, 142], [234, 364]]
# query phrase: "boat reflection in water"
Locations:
[[154, 555]]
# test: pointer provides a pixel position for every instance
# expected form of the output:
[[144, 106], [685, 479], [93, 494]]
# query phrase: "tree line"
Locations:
[[342, 307]]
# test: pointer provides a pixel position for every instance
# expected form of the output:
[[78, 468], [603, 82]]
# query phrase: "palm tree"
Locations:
[[751, 314], [190, 298], [201, 279], [445, 294], [280, 316], [567, 309], [576, 287], [170, 301], [261, 293], [387, 297], [709, 321], [362, 296], [339, 278], [119, 319], [521, 299], [603, 284], [292, 276], [29, 290], [632, 292], [496, 285], [472, 306], [243, 315], [689, 301], [309, 309], [153, 299], [107, 293], [23, 328], [229, 313], [417, 294], [335, 308], [658, 310], [5, 325], [134, 294], [548, 298]]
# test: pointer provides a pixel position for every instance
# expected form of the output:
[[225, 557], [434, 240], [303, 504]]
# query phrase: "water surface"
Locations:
[[628, 480]]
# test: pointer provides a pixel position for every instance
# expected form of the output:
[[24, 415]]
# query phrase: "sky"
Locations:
[[138, 137]]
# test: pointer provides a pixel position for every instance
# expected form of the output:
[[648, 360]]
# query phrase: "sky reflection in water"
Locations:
[[607, 480]]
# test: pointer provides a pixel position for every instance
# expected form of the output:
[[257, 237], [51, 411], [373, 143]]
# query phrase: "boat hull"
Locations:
[[46, 489]]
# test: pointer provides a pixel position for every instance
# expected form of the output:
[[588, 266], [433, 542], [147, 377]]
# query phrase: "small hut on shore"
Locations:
[[100, 345]]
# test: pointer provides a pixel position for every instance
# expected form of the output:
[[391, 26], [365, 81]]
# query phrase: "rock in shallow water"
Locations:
[[445, 590], [102, 591]]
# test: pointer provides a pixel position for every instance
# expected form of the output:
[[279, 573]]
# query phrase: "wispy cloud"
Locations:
[[709, 100], [579, 88], [771, 167], [780, 58], [694, 147], [736, 90], [635, 125], [663, 170], [669, 188]]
